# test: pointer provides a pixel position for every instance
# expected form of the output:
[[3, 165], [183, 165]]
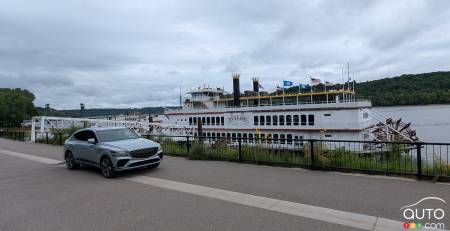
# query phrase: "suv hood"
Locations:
[[132, 144]]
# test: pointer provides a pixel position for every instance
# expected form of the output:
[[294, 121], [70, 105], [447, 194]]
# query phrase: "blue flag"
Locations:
[[287, 83]]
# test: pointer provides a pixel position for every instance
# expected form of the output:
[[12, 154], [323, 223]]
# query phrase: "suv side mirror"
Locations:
[[91, 140]]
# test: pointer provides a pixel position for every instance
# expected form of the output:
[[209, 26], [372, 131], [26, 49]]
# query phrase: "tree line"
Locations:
[[16, 105]]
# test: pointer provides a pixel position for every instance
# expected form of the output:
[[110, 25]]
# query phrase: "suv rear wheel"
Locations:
[[107, 167]]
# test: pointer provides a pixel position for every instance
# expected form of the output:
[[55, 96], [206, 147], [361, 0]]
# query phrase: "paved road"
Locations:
[[195, 195]]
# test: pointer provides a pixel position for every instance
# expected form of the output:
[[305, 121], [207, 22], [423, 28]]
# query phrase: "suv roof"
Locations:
[[106, 128]]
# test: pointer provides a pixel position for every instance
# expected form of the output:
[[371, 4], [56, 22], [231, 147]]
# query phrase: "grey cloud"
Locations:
[[137, 53]]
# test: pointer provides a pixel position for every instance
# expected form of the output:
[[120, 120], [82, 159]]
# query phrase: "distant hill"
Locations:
[[417, 89]]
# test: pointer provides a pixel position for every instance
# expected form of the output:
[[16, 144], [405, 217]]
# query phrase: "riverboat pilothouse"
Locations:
[[326, 114]]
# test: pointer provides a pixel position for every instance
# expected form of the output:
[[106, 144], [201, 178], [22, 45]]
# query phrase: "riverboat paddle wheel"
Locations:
[[393, 130], [390, 129]]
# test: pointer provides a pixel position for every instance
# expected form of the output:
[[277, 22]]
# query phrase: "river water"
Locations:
[[431, 122]]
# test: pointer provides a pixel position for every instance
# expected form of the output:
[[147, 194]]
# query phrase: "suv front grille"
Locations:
[[144, 153]]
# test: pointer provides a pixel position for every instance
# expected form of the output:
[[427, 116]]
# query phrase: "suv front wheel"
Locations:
[[107, 167], [70, 161]]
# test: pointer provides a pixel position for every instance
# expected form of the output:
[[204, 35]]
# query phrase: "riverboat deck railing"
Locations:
[[418, 159]]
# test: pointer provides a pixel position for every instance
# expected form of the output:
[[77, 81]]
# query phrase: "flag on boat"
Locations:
[[303, 86], [315, 81], [287, 83]]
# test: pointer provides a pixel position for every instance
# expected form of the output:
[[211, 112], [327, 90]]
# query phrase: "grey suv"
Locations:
[[111, 149]]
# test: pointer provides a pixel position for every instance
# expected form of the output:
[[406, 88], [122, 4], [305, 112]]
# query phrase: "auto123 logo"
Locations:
[[427, 213]]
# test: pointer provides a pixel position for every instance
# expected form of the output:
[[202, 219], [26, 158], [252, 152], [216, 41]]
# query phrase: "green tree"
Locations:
[[16, 105]]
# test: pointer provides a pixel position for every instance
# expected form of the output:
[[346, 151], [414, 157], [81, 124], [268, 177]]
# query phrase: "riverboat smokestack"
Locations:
[[236, 91], [255, 85], [256, 90]]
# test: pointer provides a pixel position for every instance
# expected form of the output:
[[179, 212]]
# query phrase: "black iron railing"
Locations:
[[420, 159]]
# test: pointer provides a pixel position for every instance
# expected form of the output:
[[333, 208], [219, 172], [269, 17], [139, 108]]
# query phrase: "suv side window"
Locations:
[[90, 134], [80, 135], [85, 135]]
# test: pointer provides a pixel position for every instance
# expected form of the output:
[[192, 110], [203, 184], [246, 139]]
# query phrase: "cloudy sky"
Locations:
[[137, 53]]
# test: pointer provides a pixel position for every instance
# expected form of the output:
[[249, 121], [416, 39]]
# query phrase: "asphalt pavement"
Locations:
[[196, 195]]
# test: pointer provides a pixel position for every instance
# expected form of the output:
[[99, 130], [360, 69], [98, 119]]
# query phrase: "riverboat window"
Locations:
[[208, 120], [245, 137], [261, 120], [233, 137], [228, 135], [213, 120], [310, 120], [203, 120], [195, 120], [327, 135], [269, 138], [263, 138], [204, 134], [208, 135], [223, 134], [281, 119], [328, 114], [268, 119], [289, 138], [190, 120], [303, 120], [222, 120], [365, 115], [217, 120], [295, 120], [275, 120], [275, 138], [255, 120], [250, 138], [288, 120], [282, 138]]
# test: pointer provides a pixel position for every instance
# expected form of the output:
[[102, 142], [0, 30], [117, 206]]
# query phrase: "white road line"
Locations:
[[355, 220], [31, 157]]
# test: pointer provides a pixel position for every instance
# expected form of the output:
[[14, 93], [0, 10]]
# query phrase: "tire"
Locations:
[[107, 168], [70, 161], [153, 166]]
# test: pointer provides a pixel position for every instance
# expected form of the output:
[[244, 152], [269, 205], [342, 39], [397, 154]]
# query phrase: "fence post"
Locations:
[[23, 136], [240, 148], [312, 152], [46, 137], [419, 160], [60, 138], [188, 144]]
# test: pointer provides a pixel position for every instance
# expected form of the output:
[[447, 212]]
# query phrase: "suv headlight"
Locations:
[[159, 149], [119, 153]]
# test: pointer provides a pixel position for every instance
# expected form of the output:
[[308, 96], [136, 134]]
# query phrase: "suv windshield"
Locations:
[[116, 134]]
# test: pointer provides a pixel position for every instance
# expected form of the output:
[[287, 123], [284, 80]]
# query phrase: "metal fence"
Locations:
[[419, 159]]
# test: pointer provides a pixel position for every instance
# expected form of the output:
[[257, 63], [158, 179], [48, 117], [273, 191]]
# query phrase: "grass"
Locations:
[[396, 159]]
